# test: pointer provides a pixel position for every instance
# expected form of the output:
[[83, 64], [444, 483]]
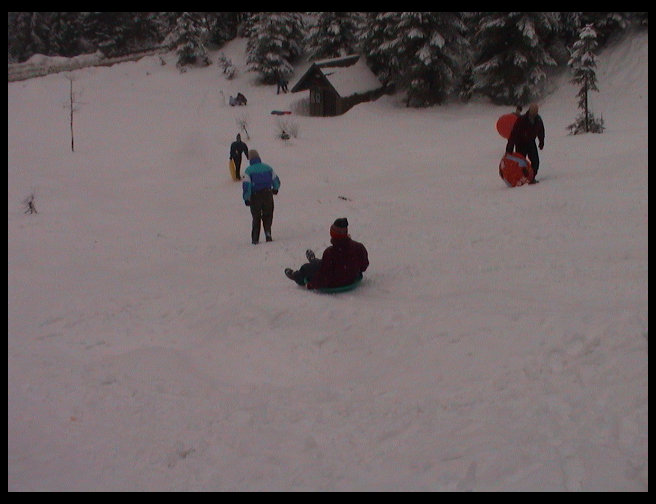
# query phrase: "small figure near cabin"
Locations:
[[282, 83]]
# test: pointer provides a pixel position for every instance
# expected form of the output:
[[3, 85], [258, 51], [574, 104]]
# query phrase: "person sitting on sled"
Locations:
[[341, 264], [239, 100]]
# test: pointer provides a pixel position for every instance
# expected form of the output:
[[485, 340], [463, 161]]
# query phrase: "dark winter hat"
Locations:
[[339, 229]]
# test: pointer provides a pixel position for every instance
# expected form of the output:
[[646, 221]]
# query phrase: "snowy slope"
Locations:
[[497, 343]]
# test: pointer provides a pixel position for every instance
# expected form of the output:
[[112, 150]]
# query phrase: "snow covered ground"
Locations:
[[499, 341]]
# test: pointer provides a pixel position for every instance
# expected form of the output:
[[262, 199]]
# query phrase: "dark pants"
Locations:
[[307, 271], [237, 161], [530, 150], [262, 211]]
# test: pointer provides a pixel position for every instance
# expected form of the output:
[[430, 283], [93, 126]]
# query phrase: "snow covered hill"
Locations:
[[499, 341]]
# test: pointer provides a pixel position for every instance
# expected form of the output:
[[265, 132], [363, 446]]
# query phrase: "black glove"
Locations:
[[274, 191], [247, 203]]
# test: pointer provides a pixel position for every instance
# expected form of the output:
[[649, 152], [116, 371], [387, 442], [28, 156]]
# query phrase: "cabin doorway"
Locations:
[[323, 102]]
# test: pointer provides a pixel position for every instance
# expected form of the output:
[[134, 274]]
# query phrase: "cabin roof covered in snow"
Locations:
[[354, 78]]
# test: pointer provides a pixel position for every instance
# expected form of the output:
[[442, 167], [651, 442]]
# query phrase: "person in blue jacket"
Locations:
[[259, 185]]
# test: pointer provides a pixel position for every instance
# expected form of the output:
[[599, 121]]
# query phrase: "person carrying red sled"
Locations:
[[523, 135]]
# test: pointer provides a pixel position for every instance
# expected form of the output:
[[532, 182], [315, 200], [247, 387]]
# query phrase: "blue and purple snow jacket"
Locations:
[[258, 177]]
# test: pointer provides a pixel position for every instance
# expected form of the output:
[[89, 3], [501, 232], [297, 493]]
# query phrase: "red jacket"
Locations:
[[524, 131], [341, 264]]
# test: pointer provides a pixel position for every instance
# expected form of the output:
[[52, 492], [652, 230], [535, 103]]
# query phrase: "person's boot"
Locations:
[[310, 255], [289, 273]]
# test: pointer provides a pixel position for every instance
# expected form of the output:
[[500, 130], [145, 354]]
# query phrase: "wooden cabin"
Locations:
[[338, 84]]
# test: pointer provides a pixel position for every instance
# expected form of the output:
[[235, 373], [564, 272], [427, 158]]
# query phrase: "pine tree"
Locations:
[[465, 84], [161, 24], [275, 43], [188, 37], [512, 55], [247, 25], [216, 28], [606, 24], [332, 34], [19, 36], [640, 19], [377, 42], [224, 26], [105, 31], [583, 64], [63, 27], [431, 50], [38, 33], [421, 53], [49, 33]]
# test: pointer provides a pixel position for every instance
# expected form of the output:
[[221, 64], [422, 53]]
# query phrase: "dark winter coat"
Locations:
[[237, 149], [525, 131], [341, 264]]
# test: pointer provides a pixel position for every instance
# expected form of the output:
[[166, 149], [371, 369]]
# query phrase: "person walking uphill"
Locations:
[[527, 128], [341, 264], [236, 149], [260, 184]]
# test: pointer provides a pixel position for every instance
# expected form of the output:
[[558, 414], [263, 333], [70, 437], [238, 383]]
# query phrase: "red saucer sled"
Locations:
[[505, 125], [515, 169]]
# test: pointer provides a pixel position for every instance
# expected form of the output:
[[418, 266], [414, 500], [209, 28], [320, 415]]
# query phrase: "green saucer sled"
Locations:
[[341, 288]]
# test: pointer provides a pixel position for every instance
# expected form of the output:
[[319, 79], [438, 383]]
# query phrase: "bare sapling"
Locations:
[[30, 207], [242, 123], [72, 107], [287, 129]]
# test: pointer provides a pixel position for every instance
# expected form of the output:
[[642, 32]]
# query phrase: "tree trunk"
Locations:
[[72, 137], [587, 114]]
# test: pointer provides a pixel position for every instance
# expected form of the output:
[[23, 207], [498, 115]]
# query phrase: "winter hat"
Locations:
[[254, 156], [339, 229]]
